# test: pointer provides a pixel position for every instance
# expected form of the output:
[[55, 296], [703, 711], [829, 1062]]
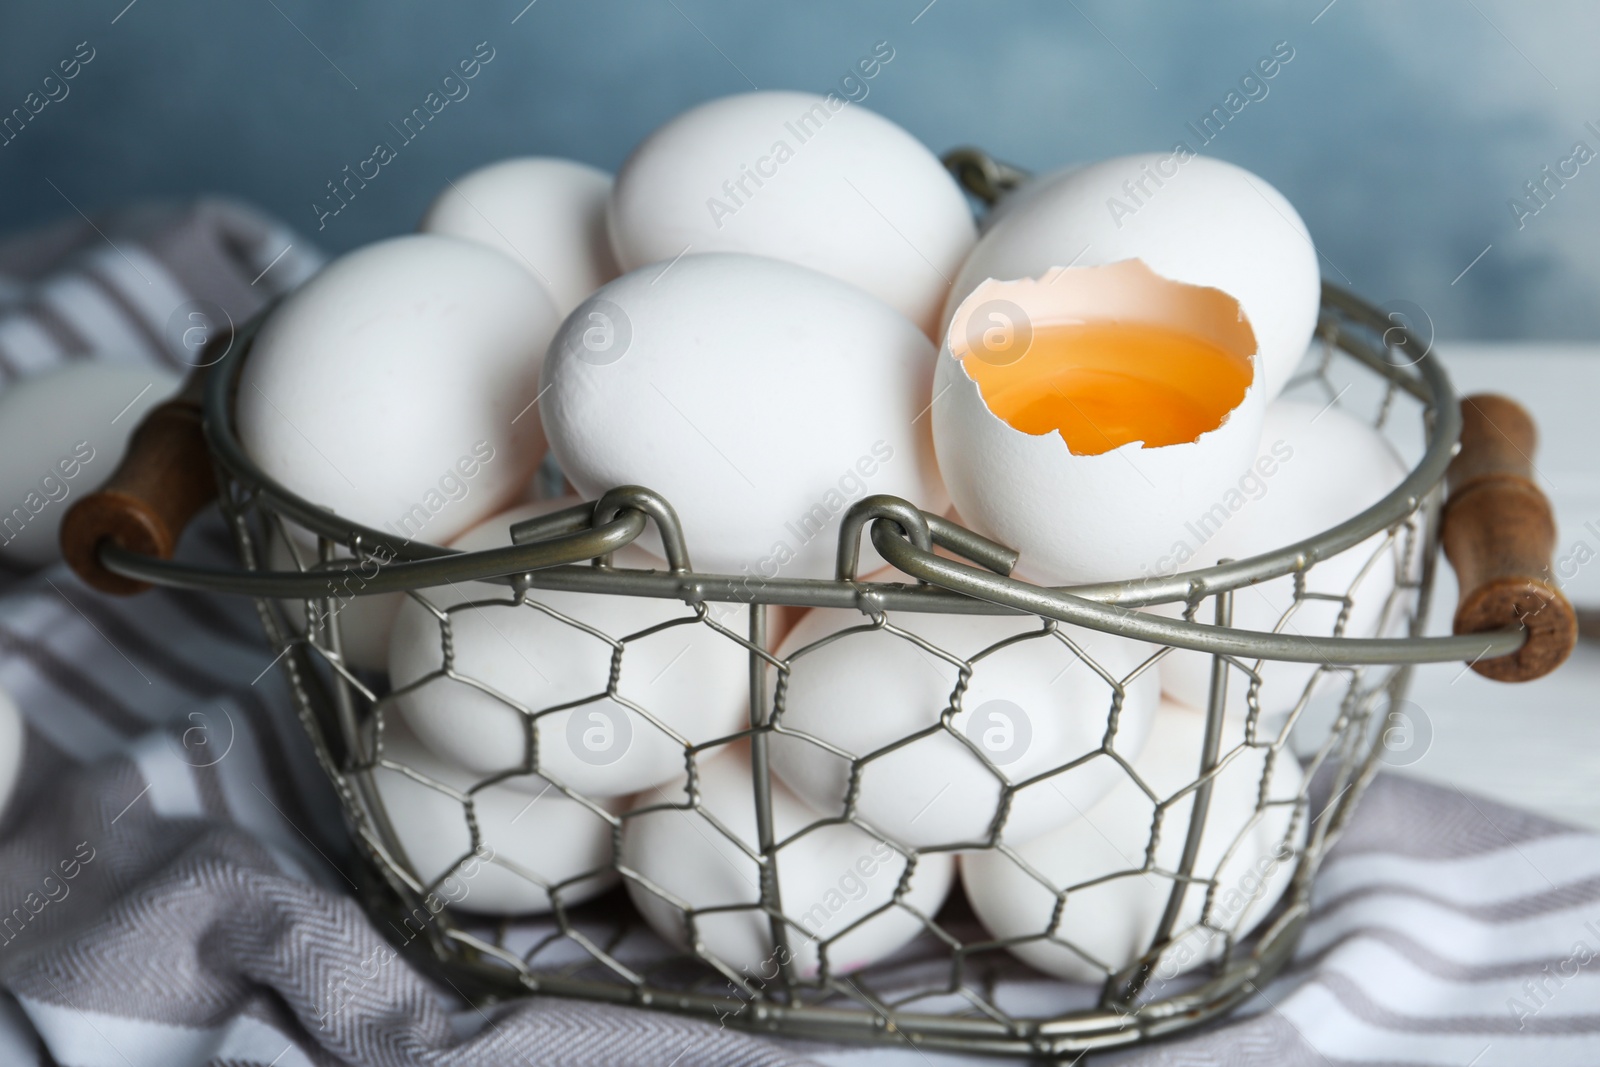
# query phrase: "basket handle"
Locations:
[[1499, 533], [163, 481]]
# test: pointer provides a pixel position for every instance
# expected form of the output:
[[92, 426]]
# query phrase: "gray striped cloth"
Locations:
[[168, 887]]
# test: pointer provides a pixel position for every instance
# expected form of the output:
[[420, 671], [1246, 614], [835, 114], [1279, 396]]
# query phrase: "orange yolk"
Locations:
[[1103, 384]]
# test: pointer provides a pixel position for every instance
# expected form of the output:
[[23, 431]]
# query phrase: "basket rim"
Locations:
[[1434, 390], [577, 557]]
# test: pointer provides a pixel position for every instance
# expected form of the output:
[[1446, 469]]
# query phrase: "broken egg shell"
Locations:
[[1192, 218], [1089, 518]]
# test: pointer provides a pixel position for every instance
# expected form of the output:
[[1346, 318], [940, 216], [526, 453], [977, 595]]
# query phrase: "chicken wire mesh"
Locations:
[[721, 892]]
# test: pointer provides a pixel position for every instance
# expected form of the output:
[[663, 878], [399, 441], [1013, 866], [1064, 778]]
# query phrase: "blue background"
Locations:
[[1400, 130]]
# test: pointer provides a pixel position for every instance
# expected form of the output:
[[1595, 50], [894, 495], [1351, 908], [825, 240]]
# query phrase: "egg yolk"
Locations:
[[1103, 384]]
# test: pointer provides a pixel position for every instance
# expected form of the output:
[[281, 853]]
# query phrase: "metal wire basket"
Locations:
[[954, 986]]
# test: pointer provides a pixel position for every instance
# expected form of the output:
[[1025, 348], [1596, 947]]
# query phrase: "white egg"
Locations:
[[1318, 466], [395, 387], [691, 679], [1114, 898], [62, 433], [364, 622], [760, 398], [547, 214], [814, 180], [1029, 707], [830, 878], [1073, 513], [1191, 218], [527, 845], [13, 743]]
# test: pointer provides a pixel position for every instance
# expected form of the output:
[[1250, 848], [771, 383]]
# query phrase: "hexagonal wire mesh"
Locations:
[[812, 917]]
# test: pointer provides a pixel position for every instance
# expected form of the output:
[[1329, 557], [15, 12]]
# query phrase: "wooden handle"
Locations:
[[164, 479], [1499, 533]]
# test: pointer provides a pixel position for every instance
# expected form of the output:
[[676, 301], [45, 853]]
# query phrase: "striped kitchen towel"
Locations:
[[170, 886], [123, 287]]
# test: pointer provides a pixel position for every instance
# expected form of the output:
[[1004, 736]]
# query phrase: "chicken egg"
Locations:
[[396, 387], [699, 852], [677, 684], [810, 179], [1031, 705], [1317, 467], [1190, 218], [760, 398], [527, 845], [63, 432], [1081, 416], [547, 214], [1115, 893]]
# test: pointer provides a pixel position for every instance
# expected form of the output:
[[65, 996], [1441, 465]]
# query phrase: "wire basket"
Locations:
[[953, 985]]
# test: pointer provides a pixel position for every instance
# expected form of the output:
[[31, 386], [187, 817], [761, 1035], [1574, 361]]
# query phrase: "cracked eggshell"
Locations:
[[689, 677], [1196, 220], [547, 214], [1112, 922], [829, 877], [374, 387], [810, 179], [1089, 518], [761, 398], [552, 839], [1030, 706], [1318, 466]]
